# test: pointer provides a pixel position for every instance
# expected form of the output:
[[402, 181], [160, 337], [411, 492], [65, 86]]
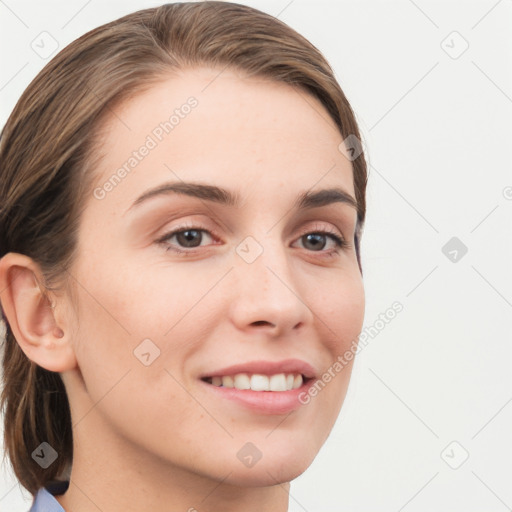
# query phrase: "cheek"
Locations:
[[341, 316], [341, 311], [154, 299], [129, 317], [130, 370]]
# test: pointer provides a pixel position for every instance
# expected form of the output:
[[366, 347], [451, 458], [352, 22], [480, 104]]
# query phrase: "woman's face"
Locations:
[[180, 290]]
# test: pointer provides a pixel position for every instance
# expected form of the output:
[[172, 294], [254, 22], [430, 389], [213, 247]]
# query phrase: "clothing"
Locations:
[[44, 500]]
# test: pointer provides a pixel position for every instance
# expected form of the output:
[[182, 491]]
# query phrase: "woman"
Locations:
[[183, 196]]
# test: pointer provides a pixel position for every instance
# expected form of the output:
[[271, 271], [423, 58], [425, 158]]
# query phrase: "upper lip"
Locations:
[[266, 368]]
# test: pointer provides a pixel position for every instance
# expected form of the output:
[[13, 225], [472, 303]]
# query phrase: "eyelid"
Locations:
[[317, 228], [193, 225], [187, 226]]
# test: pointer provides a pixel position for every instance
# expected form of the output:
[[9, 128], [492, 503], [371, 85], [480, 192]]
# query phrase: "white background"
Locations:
[[438, 132]]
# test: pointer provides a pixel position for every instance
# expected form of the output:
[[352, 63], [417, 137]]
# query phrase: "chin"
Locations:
[[265, 475], [278, 464]]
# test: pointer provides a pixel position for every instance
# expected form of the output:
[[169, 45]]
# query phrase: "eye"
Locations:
[[317, 240], [186, 237]]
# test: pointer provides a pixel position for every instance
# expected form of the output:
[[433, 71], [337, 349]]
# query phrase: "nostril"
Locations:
[[263, 322]]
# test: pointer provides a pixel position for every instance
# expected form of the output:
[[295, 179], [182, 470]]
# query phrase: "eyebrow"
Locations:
[[222, 196]]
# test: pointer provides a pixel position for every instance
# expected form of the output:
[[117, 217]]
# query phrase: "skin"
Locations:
[[152, 437]]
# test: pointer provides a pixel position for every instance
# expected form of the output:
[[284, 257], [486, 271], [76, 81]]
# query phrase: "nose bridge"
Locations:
[[266, 287]]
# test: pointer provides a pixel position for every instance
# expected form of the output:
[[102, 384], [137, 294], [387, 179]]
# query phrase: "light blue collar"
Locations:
[[45, 502]]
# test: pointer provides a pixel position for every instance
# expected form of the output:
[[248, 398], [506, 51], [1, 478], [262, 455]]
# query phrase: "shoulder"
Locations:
[[44, 500]]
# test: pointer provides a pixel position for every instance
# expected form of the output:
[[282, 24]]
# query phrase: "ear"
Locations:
[[31, 316]]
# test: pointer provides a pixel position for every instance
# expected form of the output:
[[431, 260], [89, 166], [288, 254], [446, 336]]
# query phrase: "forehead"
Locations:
[[222, 127]]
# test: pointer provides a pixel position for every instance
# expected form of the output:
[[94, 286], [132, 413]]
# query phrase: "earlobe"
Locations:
[[31, 315]]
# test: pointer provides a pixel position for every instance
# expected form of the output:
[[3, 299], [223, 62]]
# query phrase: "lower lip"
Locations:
[[263, 402]]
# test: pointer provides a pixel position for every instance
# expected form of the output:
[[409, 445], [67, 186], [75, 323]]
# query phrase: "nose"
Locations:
[[267, 296]]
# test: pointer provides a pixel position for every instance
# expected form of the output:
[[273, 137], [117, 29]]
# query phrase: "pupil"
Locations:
[[316, 237], [186, 237]]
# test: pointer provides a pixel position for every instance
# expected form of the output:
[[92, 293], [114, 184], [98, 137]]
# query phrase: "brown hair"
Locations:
[[47, 153]]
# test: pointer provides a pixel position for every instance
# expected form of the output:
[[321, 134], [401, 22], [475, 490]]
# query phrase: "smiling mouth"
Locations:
[[278, 382]]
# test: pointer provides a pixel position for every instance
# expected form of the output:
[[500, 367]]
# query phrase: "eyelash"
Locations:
[[338, 240]]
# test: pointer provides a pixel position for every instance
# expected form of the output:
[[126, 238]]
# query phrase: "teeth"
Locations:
[[278, 382], [258, 382], [227, 382], [242, 381]]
